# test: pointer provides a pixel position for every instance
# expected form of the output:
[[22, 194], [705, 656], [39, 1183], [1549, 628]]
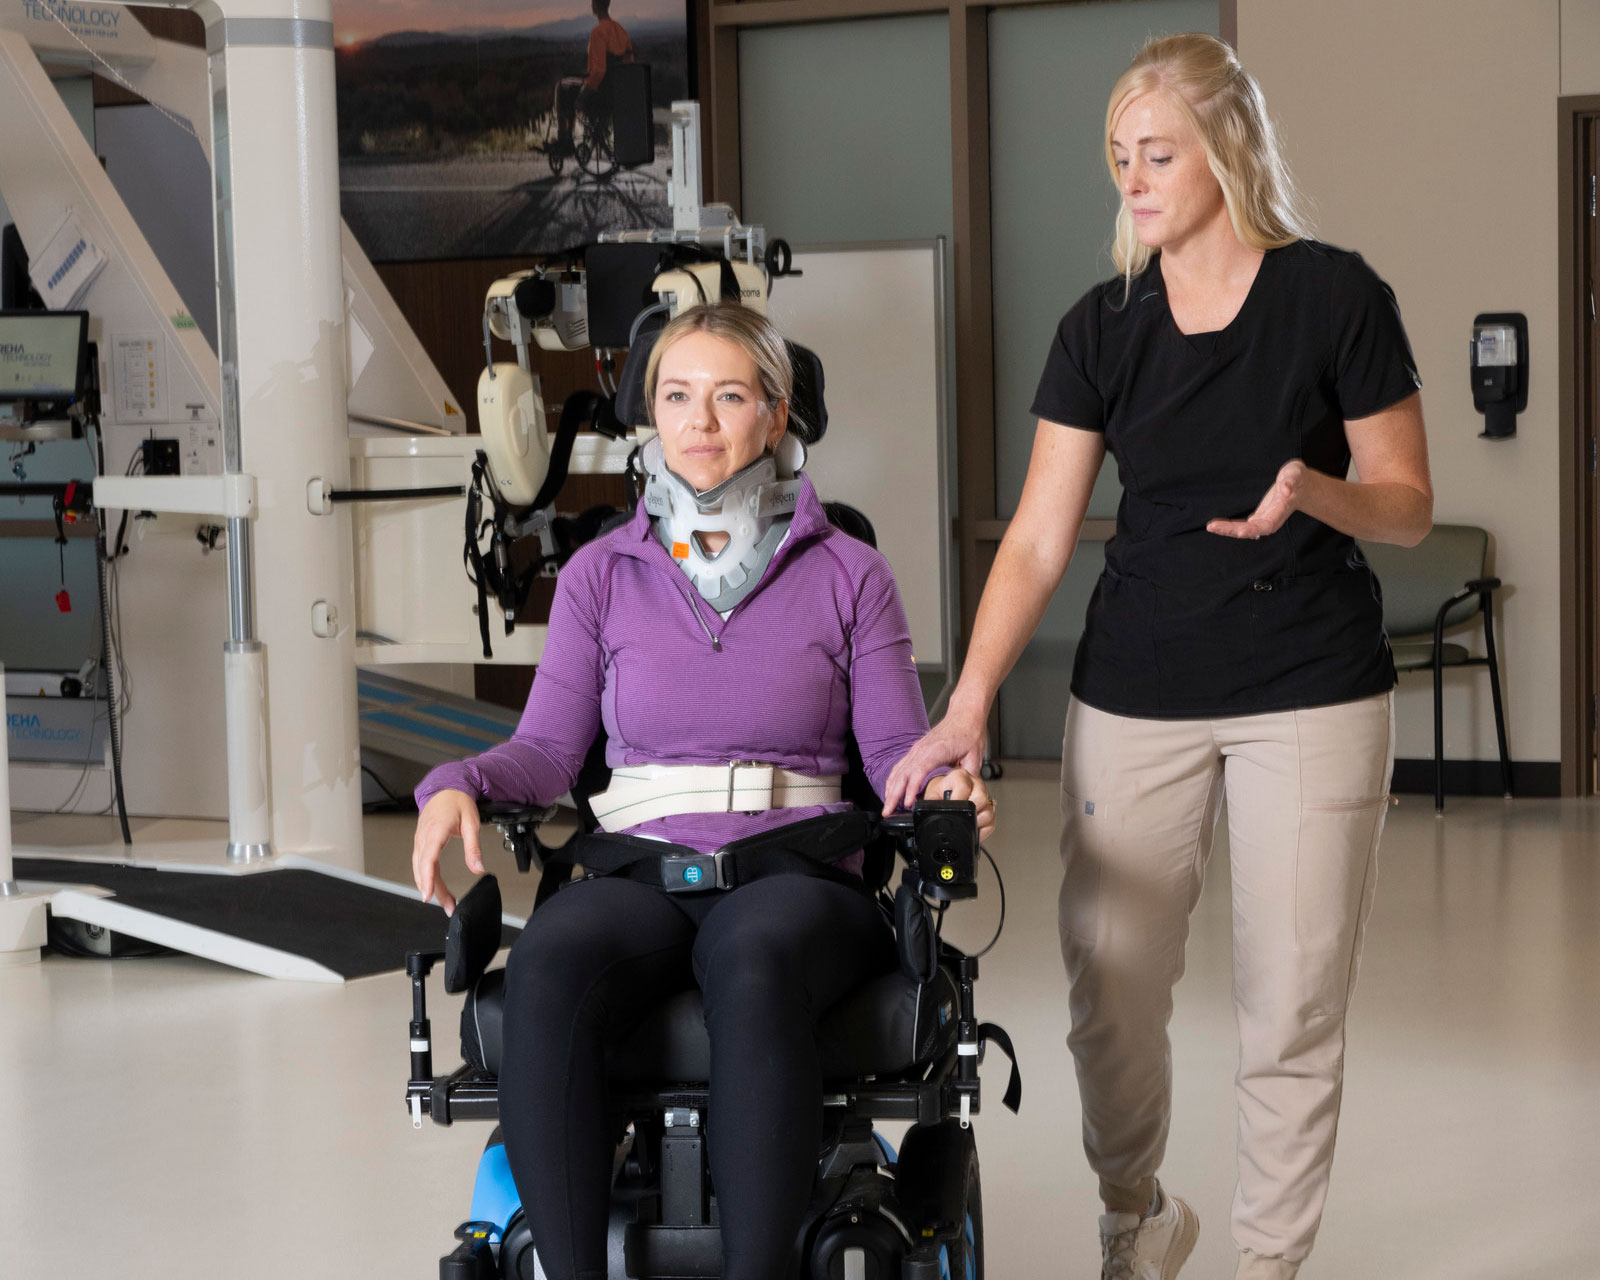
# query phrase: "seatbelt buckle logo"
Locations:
[[692, 873]]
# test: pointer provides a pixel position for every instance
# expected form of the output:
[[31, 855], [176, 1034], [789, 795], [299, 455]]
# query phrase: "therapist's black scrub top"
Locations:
[[1185, 623]]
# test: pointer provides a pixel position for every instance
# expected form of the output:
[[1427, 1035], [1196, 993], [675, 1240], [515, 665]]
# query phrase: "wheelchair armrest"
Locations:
[[519, 828]]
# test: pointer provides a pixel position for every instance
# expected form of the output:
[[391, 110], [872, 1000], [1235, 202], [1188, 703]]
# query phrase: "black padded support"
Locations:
[[473, 935], [481, 1015], [808, 413], [914, 932], [888, 1025]]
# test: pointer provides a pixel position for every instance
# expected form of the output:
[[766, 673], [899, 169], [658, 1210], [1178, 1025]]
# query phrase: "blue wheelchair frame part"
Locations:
[[944, 1257], [494, 1194]]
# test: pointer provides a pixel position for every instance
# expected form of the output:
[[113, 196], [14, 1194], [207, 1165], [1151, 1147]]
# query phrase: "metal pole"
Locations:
[[294, 754], [243, 659]]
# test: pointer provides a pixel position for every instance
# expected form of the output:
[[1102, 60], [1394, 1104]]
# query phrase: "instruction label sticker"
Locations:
[[138, 378]]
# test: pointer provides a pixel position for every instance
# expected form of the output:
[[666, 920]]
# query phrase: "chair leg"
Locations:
[[1494, 689]]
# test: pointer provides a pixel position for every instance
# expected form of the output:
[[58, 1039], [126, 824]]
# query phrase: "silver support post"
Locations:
[[243, 658], [241, 590], [244, 675]]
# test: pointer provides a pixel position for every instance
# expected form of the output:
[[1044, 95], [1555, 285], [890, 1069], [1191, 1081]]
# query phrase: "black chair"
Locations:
[[1433, 587]]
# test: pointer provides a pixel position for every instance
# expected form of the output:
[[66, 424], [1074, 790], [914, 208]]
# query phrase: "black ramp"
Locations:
[[350, 928]]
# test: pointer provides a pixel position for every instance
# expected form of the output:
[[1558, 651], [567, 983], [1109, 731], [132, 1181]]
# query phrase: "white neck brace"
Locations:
[[753, 507]]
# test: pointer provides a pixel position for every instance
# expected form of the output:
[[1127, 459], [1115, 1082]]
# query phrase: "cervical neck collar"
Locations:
[[753, 507]]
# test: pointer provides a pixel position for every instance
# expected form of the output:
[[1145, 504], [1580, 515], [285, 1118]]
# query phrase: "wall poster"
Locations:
[[480, 128]]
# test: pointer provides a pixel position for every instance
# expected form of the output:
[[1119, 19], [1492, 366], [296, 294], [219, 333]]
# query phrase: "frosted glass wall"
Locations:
[[1050, 72]]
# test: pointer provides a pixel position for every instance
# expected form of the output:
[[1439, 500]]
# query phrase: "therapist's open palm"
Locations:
[[1281, 500]]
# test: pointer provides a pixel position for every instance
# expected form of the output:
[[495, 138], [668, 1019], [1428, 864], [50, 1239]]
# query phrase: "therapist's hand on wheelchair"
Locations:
[[447, 814], [958, 741]]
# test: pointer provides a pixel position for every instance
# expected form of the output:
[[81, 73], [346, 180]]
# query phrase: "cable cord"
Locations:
[[1001, 881], [938, 919], [392, 800], [111, 688], [102, 560]]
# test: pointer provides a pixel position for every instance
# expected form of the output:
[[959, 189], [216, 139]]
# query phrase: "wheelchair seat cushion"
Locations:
[[888, 1025]]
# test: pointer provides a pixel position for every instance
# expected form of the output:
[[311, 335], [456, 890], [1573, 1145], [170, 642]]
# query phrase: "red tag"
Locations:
[[63, 601], [72, 489]]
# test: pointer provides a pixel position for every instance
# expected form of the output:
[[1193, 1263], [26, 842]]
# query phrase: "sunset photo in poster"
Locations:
[[483, 128]]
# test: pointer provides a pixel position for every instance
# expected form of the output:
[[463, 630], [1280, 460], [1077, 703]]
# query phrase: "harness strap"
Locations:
[[809, 847], [989, 1033], [492, 572], [643, 793]]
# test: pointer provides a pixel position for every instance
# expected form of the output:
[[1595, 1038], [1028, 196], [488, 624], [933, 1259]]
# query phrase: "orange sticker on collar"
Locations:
[[680, 550]]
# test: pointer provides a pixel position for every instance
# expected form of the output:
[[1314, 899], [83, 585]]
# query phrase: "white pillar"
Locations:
[[281, 332], [21, 915]]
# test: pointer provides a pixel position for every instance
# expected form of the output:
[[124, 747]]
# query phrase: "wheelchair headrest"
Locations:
[[808, 414]]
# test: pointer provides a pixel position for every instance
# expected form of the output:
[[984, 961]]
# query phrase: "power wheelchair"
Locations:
[[906, 1046]]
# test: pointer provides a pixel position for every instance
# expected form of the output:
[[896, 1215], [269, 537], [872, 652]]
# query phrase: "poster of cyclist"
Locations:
[[482, 128]]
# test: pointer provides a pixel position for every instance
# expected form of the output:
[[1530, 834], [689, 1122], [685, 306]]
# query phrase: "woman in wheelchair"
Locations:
[[726, 621]]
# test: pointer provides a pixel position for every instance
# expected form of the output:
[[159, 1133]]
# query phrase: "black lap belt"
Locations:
[[801, 848]]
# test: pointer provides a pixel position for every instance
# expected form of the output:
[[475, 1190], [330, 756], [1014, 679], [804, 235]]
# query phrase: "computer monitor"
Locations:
[[43, 355]]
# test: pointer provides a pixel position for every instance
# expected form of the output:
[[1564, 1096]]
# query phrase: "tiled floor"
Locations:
[[170, 1118]]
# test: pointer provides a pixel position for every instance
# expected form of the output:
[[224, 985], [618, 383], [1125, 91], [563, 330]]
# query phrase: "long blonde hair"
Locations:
[[1223, 102], [748, 330]]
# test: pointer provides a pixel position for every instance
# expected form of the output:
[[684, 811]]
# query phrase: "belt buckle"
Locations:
[[693, 872], [733, 772]]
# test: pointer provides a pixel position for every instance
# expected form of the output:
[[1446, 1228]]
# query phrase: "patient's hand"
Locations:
[[962, 785], [446, 815]]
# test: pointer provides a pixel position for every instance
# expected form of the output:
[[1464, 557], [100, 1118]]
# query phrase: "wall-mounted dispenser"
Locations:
[[1500, 370]]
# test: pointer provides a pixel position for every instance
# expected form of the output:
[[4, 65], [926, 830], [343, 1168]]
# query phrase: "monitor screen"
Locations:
[[42, 354]]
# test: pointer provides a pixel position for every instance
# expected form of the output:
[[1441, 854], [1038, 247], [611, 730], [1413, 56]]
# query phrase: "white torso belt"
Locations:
[[644, 792]]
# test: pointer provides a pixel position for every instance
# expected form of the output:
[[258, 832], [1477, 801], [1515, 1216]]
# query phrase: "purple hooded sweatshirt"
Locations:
[[817, 651]]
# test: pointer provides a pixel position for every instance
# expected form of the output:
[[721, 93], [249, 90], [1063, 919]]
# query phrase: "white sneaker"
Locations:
[[1153, 1248]]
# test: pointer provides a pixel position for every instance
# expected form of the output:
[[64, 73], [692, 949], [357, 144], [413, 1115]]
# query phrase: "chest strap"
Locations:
[[644, 792], [808, 847]]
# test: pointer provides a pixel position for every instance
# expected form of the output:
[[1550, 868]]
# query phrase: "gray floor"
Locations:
[[170, 1118]]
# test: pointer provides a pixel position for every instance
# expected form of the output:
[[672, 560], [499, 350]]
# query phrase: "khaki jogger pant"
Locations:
[[1307, 792]]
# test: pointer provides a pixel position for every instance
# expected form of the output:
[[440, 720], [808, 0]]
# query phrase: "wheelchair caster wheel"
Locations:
[[989, 770], [938, 1184]]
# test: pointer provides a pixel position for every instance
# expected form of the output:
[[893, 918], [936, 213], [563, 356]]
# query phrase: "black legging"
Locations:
[[769, 958]]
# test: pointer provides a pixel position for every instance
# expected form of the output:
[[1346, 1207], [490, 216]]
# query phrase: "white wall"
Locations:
[[1425, 133]]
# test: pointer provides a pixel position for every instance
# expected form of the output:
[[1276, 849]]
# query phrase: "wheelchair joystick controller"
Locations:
[[941, 842]]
